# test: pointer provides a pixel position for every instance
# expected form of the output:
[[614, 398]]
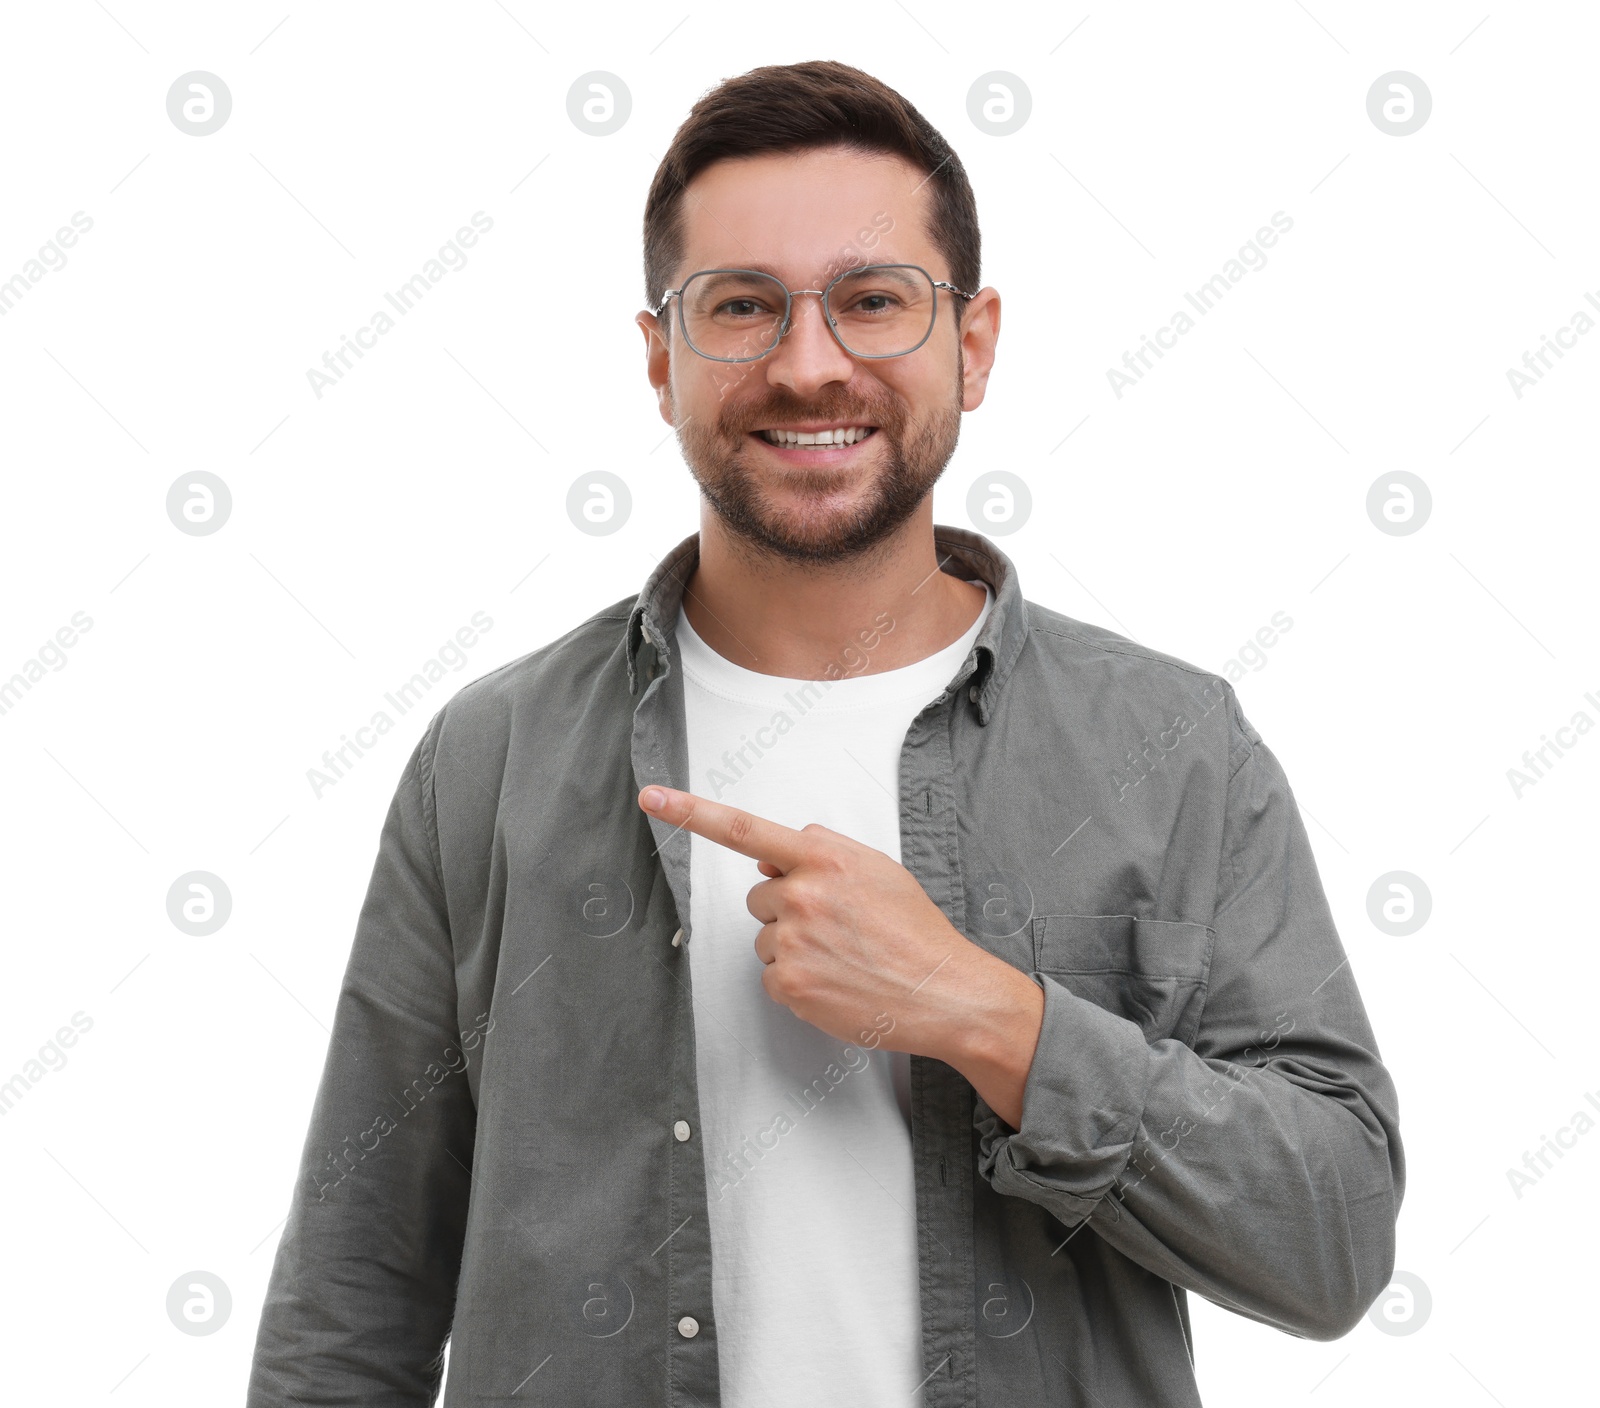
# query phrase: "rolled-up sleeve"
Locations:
[[362, 1290], [1260, 1167]]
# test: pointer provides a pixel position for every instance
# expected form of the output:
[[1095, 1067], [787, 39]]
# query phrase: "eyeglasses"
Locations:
[[739, 315]]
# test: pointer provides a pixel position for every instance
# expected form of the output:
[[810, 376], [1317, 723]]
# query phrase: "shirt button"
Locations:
[[972, 694], [688, 1327], [677, 939], [680, 1130]]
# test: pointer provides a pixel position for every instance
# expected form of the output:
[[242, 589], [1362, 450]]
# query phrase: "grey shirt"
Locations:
[[504, 1147]]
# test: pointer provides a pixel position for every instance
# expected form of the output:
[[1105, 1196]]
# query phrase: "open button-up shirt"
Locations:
[[504, 1148]]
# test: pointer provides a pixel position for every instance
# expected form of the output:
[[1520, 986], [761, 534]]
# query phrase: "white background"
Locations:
[[369, 525]]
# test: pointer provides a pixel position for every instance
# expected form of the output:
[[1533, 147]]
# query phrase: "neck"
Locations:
[[884, 609]]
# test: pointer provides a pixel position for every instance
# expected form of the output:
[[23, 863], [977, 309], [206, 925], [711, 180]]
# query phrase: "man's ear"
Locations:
[[658, 361], [980, 330]]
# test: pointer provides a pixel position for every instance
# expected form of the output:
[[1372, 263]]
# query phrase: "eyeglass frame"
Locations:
[[789, 295]]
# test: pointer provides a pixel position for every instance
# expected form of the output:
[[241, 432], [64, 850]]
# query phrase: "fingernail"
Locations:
[[654, 799]]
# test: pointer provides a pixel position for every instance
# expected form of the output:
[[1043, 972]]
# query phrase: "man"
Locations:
[[830, 977]]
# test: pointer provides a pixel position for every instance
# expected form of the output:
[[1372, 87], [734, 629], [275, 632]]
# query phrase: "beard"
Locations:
[[822, 530]]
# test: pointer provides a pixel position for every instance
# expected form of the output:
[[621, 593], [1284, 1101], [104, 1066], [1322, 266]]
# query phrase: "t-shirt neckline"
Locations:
[[920, 678]]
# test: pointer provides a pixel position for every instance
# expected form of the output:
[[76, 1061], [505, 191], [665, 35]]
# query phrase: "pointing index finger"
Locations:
[[739, 831]]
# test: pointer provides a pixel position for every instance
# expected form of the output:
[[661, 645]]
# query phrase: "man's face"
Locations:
[[804, 218]]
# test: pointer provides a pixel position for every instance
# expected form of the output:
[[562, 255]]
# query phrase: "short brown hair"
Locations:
[[798, 107]]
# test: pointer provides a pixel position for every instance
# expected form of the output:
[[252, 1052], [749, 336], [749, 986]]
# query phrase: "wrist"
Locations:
[[991, 1030]]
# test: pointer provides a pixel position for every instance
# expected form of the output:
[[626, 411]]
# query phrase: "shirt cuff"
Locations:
[[1082, 1105]]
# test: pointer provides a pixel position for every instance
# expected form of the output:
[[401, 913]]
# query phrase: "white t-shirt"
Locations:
[[807, 1139]]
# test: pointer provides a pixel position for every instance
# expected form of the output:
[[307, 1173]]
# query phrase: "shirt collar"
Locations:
[[653, 621]]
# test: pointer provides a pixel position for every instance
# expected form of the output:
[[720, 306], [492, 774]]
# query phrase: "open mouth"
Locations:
[[837, 445], [836, 435]]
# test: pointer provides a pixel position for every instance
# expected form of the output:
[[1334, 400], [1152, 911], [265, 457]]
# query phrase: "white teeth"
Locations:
[[846, 436]]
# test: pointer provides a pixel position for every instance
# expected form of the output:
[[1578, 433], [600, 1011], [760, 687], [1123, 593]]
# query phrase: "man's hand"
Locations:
[[853, 945]]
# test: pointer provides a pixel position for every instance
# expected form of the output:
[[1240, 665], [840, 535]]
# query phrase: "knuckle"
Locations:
[[820, 838], [820, 843], [827, 860]]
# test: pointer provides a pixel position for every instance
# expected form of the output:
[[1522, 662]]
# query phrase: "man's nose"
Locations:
[[808, 357]]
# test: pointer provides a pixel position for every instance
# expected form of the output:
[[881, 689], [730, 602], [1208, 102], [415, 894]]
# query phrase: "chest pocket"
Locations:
[[1150, 971]]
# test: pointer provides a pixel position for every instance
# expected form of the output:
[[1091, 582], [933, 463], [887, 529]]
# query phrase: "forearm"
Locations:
[[1266, 1188], [990, 1029], [1277, 1203]]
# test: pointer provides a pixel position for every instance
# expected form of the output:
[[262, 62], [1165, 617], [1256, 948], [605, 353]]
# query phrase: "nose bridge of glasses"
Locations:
[[795, 306]]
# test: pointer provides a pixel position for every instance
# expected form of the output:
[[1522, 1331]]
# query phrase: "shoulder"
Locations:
[[1121, 672], [543, 688]]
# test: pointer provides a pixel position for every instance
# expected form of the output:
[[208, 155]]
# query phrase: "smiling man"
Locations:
[[827, 976]]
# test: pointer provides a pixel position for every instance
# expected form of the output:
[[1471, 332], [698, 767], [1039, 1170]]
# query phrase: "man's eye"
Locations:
[[884, 303]]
